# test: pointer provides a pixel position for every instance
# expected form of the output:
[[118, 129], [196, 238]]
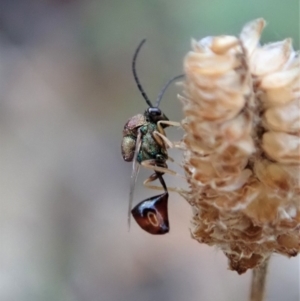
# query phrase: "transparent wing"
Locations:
[[134, 174]]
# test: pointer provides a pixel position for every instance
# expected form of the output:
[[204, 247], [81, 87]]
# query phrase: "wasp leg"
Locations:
[[151, 164], [155, 176], [170, 159], [175, 162], [179, 145], [162, 140], [167, 142], [173, 189], [160, 135], [166, 122], [163, 168]]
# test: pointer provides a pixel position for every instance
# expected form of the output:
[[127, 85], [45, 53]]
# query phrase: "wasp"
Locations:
[[144, 143]]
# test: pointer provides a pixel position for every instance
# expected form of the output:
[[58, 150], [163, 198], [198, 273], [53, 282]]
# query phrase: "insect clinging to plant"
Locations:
[[145, 143]]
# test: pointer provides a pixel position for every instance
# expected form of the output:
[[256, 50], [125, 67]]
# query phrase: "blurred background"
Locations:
[[66, 91]]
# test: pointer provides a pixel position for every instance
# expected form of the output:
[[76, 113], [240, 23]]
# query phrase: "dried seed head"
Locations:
[[241, 103]]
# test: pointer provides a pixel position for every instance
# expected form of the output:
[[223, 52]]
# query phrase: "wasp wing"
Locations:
[[134, 174]]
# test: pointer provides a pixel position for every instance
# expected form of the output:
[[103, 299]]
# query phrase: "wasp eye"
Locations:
[[154, 111]]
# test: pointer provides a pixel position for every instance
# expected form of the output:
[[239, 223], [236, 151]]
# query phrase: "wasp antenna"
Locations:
[[163, 90], [135, 74]]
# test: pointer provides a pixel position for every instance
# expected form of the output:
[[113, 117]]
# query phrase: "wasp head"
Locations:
[[154, 114]]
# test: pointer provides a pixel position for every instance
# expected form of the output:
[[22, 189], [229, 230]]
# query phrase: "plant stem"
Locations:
[[258, 284]]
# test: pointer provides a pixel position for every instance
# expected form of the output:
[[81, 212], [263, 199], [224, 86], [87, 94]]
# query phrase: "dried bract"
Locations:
[[241, 103]]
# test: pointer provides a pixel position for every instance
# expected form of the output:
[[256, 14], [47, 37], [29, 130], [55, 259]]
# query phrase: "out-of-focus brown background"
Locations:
[[66, 90]]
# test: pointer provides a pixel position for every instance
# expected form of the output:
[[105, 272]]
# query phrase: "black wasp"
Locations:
[[144, 143]]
